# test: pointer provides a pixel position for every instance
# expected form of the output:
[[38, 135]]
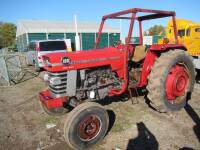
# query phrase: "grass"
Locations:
[[123, 120], [125, 116], [51, 119]]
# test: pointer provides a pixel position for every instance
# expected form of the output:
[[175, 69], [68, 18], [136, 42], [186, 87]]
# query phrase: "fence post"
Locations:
[[6, 71]]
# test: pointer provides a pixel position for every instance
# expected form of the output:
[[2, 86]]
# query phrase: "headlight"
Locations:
[[66, 61], [46, 77], [47, 61], [55, 81]]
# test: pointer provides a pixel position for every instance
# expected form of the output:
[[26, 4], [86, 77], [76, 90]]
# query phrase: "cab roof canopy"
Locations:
[[151, 14], [154, 14]]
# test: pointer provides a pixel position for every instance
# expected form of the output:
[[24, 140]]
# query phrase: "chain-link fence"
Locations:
[[13, 68]]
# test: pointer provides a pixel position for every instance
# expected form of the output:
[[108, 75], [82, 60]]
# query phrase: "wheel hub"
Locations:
[[176, 83], [89, 128]]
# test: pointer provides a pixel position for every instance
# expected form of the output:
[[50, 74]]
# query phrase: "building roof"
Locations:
[[44, 26]]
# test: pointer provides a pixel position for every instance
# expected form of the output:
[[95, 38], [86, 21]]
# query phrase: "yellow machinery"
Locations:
[[188, 34]]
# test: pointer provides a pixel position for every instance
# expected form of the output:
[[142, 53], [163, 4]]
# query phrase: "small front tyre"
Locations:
[[85, 125]]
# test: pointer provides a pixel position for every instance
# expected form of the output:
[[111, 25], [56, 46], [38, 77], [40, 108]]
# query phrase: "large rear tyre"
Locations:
[[85, 125], [171, 81]]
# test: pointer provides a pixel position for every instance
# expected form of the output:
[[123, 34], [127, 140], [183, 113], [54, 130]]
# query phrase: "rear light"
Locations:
[[39, 57], [47, 61], [38, 47]]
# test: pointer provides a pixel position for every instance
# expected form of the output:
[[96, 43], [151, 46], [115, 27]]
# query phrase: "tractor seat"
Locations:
[[139, 53]]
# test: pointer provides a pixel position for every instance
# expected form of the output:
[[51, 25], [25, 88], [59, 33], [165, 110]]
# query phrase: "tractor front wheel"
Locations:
[[85, 125], [171, 81]]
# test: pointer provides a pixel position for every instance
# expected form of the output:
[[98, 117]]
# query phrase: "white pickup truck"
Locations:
[[36, 49]]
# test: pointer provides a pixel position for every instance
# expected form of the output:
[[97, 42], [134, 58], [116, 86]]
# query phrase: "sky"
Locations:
[[92, 10]]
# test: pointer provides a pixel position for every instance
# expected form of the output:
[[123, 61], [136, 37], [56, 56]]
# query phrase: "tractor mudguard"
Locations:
[[146, 68], [152, 54], [166, 47]]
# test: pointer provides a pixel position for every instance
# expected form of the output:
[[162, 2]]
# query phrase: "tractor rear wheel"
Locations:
[[171, 81], [85, 125]]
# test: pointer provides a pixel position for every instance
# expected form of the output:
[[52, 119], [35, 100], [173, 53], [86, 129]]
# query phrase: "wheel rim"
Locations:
[[89, 128], [176, 83]]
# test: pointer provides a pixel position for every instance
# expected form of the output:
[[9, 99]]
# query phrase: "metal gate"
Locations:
[[14, 69]]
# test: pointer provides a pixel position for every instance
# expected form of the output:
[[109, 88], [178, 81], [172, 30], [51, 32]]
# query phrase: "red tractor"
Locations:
[[77, 79]]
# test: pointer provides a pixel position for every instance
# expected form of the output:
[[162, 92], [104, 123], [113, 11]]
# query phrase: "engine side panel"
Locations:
[[71, 83], [115, 58], [88, 59]]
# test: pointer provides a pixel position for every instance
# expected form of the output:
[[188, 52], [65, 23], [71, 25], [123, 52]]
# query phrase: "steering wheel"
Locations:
[[117, 43]]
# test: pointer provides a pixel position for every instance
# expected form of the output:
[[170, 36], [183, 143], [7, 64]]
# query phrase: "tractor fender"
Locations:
[[166, 47], [146, 68], [152, 55]]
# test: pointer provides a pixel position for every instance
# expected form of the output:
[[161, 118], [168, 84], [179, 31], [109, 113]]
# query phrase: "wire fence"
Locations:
[[13, 68]]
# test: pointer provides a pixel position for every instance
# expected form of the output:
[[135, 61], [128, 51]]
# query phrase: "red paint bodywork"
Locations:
[[151, 57], [113, 57], [116, 57], [51, 102], [176, 82]]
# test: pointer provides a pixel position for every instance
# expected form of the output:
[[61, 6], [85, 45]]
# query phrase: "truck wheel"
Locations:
[[36, 66], [171, 81], [55, 111], [85, 125]]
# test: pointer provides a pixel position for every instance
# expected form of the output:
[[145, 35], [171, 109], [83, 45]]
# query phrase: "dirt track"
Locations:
[[23, 123]]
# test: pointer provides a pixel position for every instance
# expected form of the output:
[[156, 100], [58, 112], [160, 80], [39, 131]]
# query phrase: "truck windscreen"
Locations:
[[52, 46]]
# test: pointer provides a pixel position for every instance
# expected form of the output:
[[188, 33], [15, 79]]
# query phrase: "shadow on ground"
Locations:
[[198, 76], [112, 118], [145, 139], [124, 97], [194, 116], [186, 148]]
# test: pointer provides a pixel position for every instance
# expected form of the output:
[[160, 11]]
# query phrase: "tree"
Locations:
[[7, 34], [155, 30], [1, 38]]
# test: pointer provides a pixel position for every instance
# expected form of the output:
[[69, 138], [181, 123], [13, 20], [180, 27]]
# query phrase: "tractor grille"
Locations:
[[58, 90]]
